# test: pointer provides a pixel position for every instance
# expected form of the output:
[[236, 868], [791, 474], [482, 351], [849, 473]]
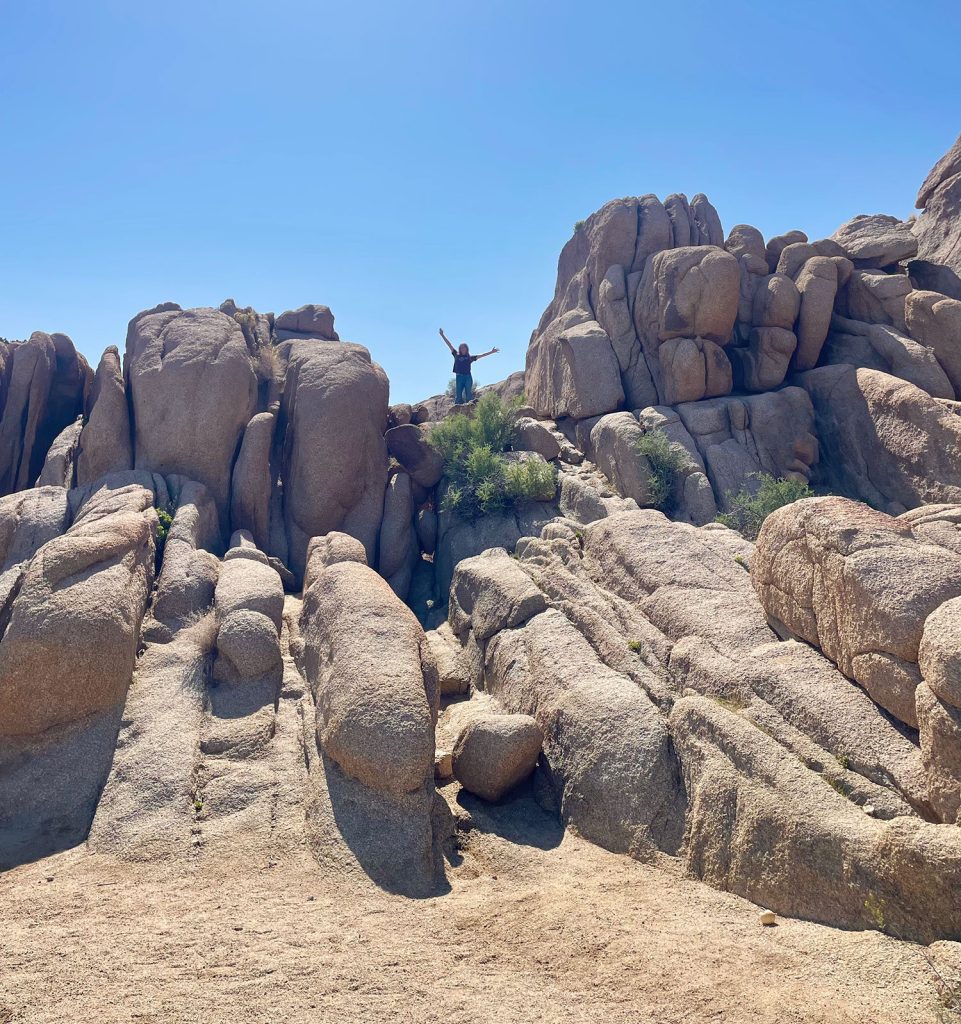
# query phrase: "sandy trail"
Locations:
[[537, 926]]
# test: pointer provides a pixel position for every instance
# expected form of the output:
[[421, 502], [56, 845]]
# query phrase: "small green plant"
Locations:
[[666, 459], [836, 786], [481, 479], [875, 906], [578, 224], [742, 562], [164, 521], [734, 704], [843, 760], [751, 506], [636, 646]]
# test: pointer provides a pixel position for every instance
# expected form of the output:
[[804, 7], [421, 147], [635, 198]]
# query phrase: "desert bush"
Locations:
[[481, 480], [666, 459], [749, 508]]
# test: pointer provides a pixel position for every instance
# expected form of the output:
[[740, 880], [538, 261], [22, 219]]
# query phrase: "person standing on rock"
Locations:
[[463, 381]]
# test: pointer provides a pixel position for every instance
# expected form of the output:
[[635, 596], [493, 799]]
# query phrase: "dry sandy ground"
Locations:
[[537, 926]]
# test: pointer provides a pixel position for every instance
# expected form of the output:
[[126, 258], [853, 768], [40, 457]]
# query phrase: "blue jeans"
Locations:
[[464, 388]]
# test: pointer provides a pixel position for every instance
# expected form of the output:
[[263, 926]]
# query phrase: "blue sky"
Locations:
[[420, 165]]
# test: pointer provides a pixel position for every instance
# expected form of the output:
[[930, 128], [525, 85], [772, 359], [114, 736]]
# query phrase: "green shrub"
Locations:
[[749, 509], [531, 480], [578, 224], [666, 459], [164, 520], [481, 480]]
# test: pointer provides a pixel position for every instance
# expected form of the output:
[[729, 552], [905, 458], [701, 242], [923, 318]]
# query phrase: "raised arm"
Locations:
[[447, 341], [483, 354]]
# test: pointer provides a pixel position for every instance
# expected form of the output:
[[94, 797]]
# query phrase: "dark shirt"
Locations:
[[462, 363]]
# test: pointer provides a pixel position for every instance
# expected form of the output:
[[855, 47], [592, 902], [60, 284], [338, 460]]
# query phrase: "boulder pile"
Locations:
[[238, 607]]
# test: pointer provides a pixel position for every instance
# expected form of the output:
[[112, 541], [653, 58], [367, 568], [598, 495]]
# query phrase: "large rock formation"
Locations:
[[333, 391], [784, 721], [192, 390], [938, 229], [45, 384]]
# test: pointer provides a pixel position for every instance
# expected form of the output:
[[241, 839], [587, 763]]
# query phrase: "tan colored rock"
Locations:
[[328, 550], [939, 654], [28, 519], [490, 593], [572, 370], [494, 753], [749, 802], [875, 297], [938, 264], [817, 283], [614, 441], [616, 786], [880, 347], [939, 727], [335, 459], [778, 244], [46, 384], [375, 716], [410, 445], [456, 669], [192, 390], [105, 445], [776, 302], [396, 530], [892, 445], [59, 466], [935, 321], [311, 321], [763, 363], [251, 481], [876, 240], [684, 311], [71, 641], [739, 436], [857, 584], [189, 571], [532, 436], [614, 315]]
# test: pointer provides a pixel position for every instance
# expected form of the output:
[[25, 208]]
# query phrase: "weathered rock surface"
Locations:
[[105, 445], [192, 392], [858, 585], [935, 321], [938, 228], [572, 370], [311, 321], [876, 240], [410, 446], [46, 381], [84, 592], [251, 482], [333, 391], [884, 440], [880, 347], [738, 437], [684, 313], [493, 753], [374, 714]]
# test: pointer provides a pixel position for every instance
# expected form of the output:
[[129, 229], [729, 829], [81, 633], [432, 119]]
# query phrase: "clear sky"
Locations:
[[419, 165]]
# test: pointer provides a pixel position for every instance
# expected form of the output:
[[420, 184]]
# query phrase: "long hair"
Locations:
[[463, 350]]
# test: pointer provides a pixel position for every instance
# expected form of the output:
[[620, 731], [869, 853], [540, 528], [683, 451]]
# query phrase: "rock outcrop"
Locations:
[[219, 563], [938, 228]]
